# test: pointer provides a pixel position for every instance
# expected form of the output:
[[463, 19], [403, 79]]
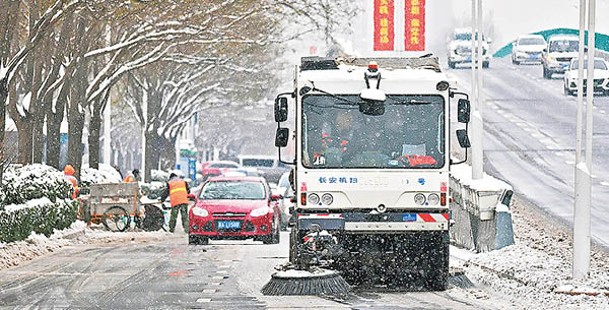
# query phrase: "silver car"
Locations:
[[285, 204], [528, 48]]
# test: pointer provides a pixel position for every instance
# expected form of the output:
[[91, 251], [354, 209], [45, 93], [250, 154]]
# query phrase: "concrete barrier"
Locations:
[[480, 211]]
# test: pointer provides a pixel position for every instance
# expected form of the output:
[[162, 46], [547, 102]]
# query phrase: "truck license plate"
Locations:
[[409, 217], [229, 224]]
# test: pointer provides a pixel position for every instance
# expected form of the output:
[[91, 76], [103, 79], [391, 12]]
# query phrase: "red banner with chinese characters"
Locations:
[[414, 25], [383, 25]]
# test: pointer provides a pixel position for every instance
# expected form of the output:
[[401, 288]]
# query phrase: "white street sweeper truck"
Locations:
[[371, 168]]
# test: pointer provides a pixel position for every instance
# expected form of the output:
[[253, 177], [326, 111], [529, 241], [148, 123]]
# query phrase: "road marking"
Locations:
[[549, 143], [216, 284], [537, 135], [570, 162], [525, 127], [604, 183], [218, 277], [204, 300], [210, 290], [224, 266], [221, 271]]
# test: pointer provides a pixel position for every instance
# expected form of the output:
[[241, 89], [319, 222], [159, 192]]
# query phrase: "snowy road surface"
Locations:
[[161, 271], [157, 270]]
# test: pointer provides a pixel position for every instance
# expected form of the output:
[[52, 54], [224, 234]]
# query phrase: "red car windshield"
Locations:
[[219, 190]]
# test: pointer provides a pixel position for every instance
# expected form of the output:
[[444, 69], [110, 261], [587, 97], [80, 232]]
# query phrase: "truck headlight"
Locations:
[[313, 199], [327, 199], [419, 199], [198, 211], [259, 212], [433, 199]]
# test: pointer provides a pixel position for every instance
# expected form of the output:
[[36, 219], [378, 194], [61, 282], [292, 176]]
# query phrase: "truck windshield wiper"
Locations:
[[345, 100], [409, 101]]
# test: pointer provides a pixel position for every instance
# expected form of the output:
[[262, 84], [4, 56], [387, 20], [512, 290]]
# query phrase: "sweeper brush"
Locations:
[[315, 281]]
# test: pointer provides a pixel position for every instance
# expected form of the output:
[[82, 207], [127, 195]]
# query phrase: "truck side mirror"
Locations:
[[281, 109], [463, 109], [281, 137], [463, 138]]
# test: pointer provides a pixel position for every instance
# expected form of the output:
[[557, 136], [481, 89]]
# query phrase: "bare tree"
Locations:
[[15, 50], [186, 56]]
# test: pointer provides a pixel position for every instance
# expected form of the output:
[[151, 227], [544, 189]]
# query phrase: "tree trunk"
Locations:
[[24, 129], [94, 135], [153, 152], [38, 138], [53, 140], [54, 126], [169, 153], [3, 96], [76, 122], [76, 118], [8, 18]]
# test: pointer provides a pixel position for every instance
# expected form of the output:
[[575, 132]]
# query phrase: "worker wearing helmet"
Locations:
[[133, 176], [68, 172], [177, 190]]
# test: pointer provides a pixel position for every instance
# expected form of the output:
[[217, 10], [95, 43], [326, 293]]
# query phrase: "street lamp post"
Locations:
[[477, 98], [583, 179]]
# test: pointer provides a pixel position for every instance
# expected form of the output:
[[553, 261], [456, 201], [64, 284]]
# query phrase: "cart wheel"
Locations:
[[116, 219], [154, 218]]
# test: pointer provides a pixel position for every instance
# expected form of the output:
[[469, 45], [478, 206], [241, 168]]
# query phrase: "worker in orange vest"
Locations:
[[133, 176], [68, 173], [177, 190]]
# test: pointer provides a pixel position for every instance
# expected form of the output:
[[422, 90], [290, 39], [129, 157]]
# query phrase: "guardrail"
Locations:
[[480, 214]]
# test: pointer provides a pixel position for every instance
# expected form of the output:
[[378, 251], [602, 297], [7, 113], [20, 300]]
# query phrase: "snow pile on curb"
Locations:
[[16, 253]]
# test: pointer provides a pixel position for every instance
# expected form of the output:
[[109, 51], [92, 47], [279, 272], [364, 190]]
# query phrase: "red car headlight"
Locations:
[[259, 212], [198, 211]]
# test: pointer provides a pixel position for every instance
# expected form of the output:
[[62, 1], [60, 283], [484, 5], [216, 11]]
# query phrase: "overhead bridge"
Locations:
[[601, 41]]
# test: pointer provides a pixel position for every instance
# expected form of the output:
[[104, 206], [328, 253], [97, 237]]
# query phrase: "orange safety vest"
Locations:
[[177, 192], [129, 179], [74, 182]]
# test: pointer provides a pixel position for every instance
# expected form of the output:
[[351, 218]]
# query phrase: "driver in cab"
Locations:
[[336, 145]]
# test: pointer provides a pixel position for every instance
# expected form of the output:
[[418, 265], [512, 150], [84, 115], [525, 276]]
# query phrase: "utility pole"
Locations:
[[477, 98], [583, 179]]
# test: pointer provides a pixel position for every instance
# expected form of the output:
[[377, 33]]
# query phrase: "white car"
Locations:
[[528, 48], [556, 57], [601, 76], [459, 48]]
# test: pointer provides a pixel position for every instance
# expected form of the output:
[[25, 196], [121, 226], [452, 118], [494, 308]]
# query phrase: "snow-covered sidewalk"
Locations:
[[535, 273], [16, 253]]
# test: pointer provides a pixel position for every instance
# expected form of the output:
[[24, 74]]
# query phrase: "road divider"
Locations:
[[480, 211]]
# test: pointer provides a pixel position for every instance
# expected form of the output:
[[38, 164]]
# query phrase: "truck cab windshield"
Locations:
[[409, 135]]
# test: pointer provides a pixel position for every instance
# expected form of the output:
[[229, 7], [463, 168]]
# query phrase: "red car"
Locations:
[[239, 207]]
